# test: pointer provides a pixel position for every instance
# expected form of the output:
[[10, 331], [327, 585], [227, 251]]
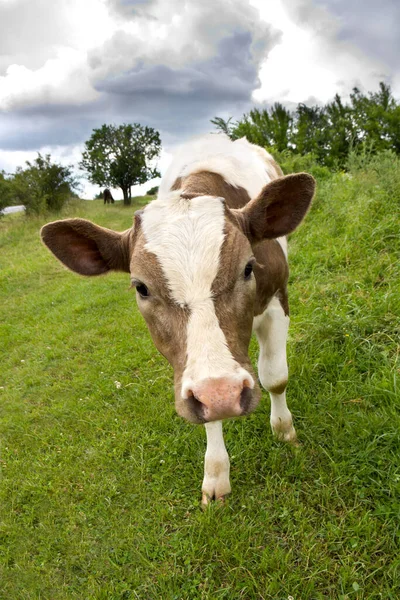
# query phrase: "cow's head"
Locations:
[[191, 262]]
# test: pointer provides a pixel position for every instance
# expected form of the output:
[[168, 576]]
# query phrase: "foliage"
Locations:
[[41, 186], [6, 195], [121, 156], [297, 163], [100, 491], [152, 191], [328, 132]]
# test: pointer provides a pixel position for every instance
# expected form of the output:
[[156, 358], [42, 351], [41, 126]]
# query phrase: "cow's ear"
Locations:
[[279, 208], [87, 248]]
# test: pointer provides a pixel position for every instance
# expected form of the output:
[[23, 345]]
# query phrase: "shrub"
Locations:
[[297, 163], [43, 185], [153, 191], [6, 195]]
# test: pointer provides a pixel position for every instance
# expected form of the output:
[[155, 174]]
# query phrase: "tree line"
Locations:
[[114, 156], [368, 121], [123, 156]]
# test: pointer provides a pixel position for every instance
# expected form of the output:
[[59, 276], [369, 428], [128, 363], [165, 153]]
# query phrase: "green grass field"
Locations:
[[100, 479]]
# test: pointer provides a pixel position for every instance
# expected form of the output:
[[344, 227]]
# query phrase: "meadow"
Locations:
[[100, 483]]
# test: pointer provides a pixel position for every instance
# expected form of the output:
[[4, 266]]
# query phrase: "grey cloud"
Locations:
[[129, 8], [178, 102], [208, 64], [230, 74], [192, 32], [177, 99], [373, 26], [370, 26], [29, 31]]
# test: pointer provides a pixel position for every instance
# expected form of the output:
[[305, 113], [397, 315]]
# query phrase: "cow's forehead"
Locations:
[[186, 236]]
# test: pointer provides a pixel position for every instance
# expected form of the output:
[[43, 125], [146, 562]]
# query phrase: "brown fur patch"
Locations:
[[271, 272], [166, 320], [279, 388], [271, 269], [177, 185], [205, 183]]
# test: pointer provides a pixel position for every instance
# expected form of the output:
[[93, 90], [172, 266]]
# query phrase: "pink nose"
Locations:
[[221, 398]]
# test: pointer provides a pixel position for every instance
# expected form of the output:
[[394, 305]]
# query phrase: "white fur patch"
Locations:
[[240, 163], [216, 464], [186, 236]]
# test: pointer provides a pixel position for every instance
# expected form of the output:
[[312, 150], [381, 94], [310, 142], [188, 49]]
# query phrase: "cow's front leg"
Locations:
[[216, 484], [271, 329]]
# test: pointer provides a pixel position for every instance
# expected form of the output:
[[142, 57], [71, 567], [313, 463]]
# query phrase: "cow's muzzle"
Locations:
[[220, 398]]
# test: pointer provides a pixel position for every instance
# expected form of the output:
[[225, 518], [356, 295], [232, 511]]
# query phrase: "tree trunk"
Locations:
[[127, 199]]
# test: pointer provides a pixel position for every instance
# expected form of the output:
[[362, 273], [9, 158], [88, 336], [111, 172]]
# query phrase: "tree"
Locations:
[[121, 156], [309, 134], [226, 127], [43, 185], [6, 195], [328, 133]]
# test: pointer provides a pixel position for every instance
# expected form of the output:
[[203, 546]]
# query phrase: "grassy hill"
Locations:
[[100, 479]]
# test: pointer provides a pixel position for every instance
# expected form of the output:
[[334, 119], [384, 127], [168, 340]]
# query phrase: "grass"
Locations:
[[100, 479]]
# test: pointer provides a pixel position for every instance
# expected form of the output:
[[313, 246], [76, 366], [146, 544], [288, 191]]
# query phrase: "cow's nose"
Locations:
[[220, 398]]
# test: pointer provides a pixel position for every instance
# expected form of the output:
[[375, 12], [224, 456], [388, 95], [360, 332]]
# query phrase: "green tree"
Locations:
[[6, 193], [369, 122], [121, 156], [226, 126], [269, 128], [376, 119], [309, 135], [43, 185]]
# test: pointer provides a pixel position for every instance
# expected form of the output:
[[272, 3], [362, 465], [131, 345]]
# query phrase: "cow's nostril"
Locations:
[[245, 399], [196, 406]]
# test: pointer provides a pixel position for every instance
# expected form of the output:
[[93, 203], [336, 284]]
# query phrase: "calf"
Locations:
[[209, 263]]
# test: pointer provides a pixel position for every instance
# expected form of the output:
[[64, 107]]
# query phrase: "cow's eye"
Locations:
[[248, 271], [142, 290]]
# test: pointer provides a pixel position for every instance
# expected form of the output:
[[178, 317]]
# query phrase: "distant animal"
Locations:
[[208, 259], [108, 197]]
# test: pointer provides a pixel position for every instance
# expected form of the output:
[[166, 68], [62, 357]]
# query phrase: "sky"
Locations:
[[68, 66]]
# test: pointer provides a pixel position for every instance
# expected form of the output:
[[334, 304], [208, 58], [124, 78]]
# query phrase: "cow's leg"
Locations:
[[216, 482], [271, 329]]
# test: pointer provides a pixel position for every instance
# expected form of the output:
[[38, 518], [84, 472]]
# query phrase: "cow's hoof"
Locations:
[[206, 500], [285, 432]]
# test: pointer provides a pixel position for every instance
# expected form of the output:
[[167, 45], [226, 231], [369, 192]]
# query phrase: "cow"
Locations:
[[108, 197], [208, 260]]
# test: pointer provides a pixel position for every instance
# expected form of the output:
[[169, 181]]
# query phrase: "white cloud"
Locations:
[[310, 61], [176, 34], [60, 38], [61, 80], [71, 65]]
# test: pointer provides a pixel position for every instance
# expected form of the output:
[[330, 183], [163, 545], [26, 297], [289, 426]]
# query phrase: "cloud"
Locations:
[[69, 66], [170, 65], [312, 62], [178, 33], [371, 26]]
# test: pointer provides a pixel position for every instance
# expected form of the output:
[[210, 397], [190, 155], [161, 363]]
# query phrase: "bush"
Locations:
[[43, 185], [153, 191], [297, 163], [6, 195], [382, 168]]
